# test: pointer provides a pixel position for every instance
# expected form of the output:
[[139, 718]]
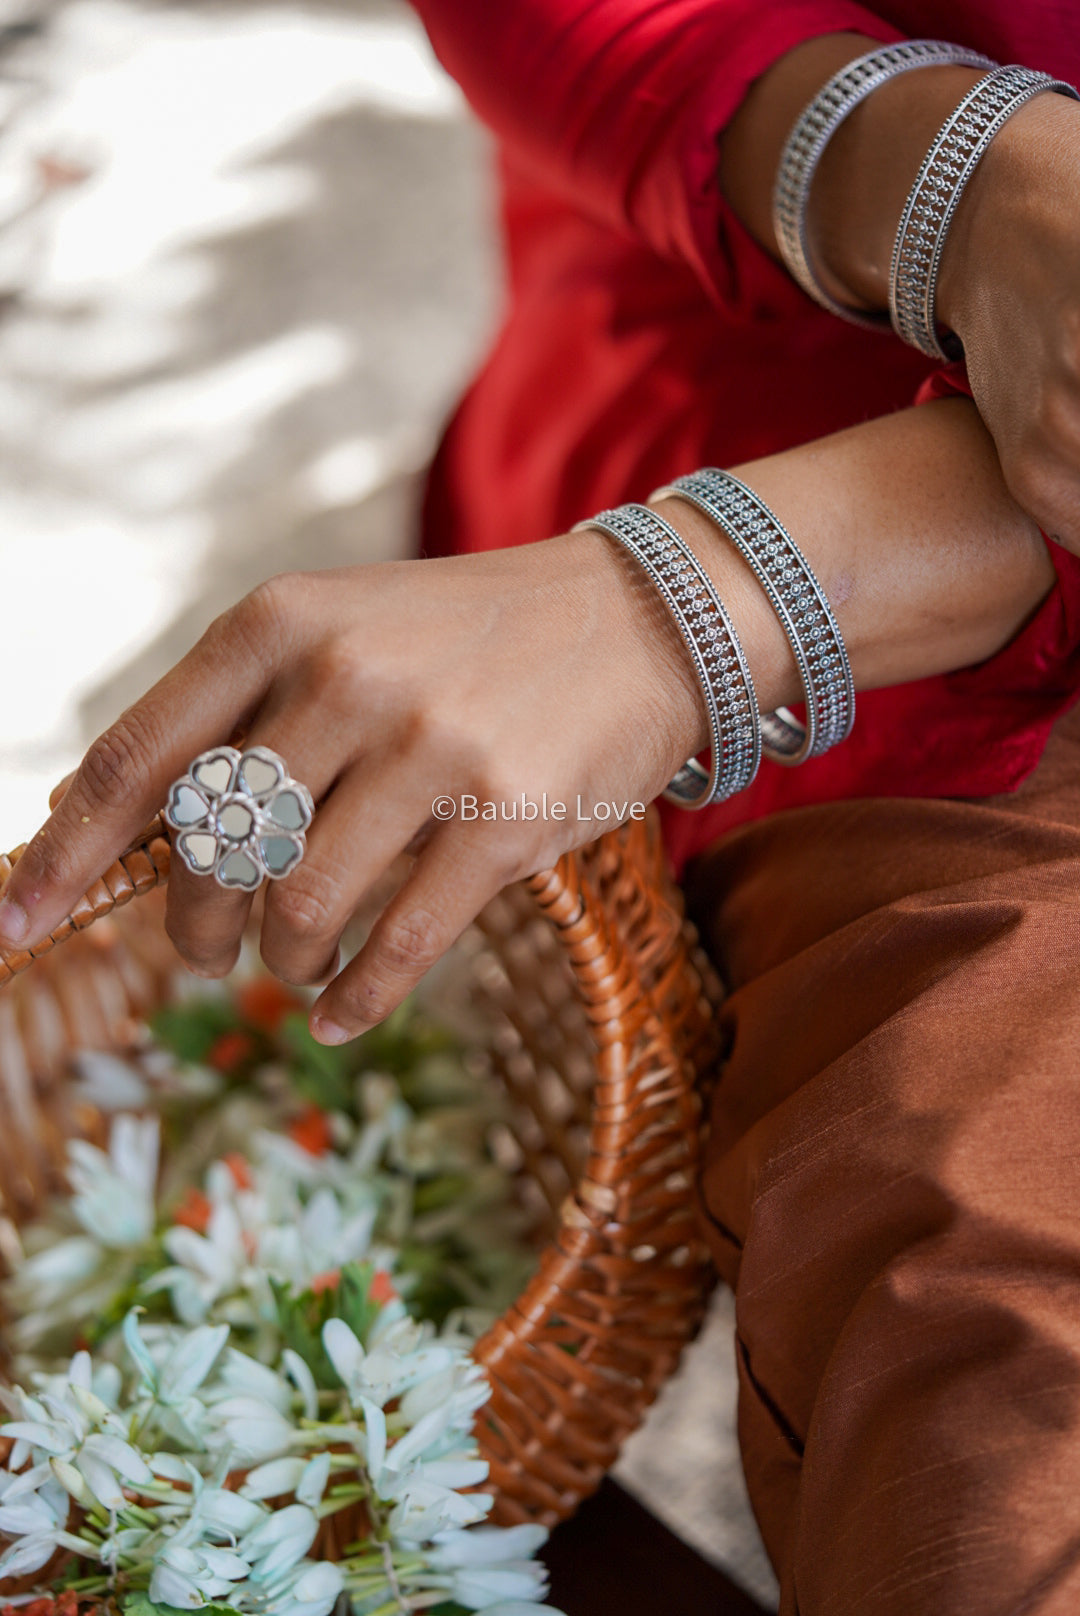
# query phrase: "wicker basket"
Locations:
[[603, 1029]]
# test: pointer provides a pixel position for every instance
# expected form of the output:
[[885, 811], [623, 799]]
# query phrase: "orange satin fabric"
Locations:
[[893, 1190]]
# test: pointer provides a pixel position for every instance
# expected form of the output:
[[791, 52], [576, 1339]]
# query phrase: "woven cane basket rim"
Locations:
[[622, 1284]]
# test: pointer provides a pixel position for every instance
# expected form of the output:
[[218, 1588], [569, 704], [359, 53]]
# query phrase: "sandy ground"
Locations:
[[245, 265]]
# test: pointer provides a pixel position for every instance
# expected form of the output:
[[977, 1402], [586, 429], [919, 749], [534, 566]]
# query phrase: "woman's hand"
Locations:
[[1010, 288], [545, 669], [1010, 276], [553, 668]]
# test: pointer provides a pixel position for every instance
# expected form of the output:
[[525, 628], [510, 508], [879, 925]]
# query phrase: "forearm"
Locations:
[[928, 562], [869, 165]]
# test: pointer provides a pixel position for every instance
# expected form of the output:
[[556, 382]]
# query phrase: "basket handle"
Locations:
[[144, 866]]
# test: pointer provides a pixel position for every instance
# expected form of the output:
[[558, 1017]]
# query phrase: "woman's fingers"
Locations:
[[368, 819], [205, 921], [124, 778], [58, 790], [450, 883], [313, 719]]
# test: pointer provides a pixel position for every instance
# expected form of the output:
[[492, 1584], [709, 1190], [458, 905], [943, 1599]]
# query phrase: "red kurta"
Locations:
[[647, 334]]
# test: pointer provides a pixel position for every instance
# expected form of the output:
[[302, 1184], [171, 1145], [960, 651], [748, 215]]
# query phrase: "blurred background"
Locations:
[[247, 261]]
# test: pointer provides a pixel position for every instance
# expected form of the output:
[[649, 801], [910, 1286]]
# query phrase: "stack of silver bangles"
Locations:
[[932, 202], [739, 733]]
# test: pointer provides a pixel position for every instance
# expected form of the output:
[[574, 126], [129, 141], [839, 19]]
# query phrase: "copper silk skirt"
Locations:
[[892, 1189]]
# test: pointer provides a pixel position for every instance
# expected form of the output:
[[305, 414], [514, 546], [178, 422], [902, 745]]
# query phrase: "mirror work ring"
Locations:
[[239, 816]]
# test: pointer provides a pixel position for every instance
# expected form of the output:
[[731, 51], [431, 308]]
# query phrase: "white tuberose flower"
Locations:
[[78, 1448], [170, 1381], [403, 1357], [36, 1519], [190, 1576], [310, 1589], [492, 1566], [250, 1413], [113, 1196]]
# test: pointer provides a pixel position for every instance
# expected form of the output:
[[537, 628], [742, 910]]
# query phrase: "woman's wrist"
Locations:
[[768, 653], [615, 602], [866, 174], [867, 169], [928, 564], [1008, 195]]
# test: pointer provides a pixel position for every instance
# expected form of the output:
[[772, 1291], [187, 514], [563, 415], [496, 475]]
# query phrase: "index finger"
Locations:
[[125, 776]]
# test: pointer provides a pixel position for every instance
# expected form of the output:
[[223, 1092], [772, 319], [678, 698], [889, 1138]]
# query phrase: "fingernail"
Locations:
[[14, 921], [328, 1032]]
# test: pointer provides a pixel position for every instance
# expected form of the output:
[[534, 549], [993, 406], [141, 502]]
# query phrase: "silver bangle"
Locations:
[[721, 667], [801, 605], [811, 133], [933, 199]]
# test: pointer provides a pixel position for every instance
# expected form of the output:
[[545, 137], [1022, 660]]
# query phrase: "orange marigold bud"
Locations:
[[266, 1002], [194, 1211], [381, 1289], [239, 1169], [229, 1051], [311, 1131]]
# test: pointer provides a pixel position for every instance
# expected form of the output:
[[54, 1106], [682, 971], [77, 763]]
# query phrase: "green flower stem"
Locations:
[[334, 1506], [142, 1516], [331, 1431], [406, 1566], [89, 1585]]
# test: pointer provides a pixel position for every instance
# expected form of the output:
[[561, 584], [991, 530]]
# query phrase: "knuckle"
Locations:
[[271, 603], [369, 1002], [44, 866], [499, 783], [513, 863], [1059, 423], [409, 945], [336, 674], [1027, 479], [443, 730], [1070, 344], [1041, 495], [204, 955], [118, 765], [302, 907], [264, 620]]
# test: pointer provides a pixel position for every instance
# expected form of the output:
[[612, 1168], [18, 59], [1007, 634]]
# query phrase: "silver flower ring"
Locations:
[[239, 816]]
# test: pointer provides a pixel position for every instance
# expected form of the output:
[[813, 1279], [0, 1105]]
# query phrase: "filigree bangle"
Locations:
[[810, 135], [956, 151], [710, 638], [799, 602]]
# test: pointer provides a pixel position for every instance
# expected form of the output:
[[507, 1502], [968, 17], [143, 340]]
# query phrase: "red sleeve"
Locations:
[[618, 103]]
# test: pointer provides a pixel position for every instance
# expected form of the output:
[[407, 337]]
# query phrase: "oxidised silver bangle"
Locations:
[[799, 602], [932, 201], [710, 638], [810, 135]]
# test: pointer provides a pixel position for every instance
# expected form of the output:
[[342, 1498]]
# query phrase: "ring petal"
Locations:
[[239, 867], [280, 854], [214, 772], [187, 805], [260, 772]]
